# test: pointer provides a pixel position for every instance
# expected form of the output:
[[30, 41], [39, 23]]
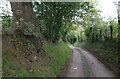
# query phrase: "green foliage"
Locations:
[[8, 66], [114, 24], [6, 21], [60, 53], [56, 17], [50, 65], [71, 38], [22, 73], [97, 30]]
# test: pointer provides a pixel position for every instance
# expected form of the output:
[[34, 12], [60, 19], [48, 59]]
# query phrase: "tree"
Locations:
[[27, 29], [119, 21], [57, 17], [91, 22]]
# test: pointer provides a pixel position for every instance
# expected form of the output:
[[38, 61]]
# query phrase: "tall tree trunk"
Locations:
[[27, 27], [23, 15], [111, 31], [119, 21]]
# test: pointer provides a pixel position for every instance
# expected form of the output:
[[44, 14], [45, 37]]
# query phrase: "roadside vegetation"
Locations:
[[49, 65], [36, 35], [35, 40]]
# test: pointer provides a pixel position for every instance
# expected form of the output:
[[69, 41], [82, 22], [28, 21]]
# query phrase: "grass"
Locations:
[[50, 65], [60, 53], [8, 66], [107, 51]]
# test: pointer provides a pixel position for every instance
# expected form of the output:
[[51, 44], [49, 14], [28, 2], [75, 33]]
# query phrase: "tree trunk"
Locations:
[[119, 21], [111, 31], [26, 25], [23, 14]]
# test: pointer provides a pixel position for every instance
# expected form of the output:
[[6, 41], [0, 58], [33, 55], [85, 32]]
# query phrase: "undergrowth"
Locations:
[[50, 65]]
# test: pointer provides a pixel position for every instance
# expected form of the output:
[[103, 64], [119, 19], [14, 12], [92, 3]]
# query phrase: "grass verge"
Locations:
[[50, 65]]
